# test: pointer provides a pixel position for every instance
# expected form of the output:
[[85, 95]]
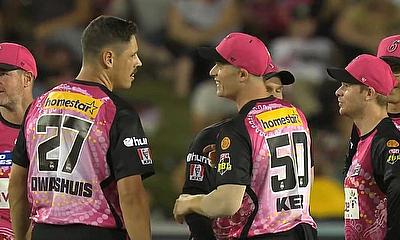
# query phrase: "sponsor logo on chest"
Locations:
[[279, 118]]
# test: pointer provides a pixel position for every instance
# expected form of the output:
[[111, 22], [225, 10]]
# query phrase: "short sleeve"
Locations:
[[129, 152], [386, 164], [20, 155], [199, 175], [234, 157]]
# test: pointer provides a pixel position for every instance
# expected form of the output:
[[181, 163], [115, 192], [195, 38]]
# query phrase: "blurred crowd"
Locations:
[[304, 37]]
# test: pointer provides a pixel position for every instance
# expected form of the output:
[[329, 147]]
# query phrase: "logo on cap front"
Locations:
[[392, 47]]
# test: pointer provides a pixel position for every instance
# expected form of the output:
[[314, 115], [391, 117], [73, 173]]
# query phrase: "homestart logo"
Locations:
[[279, 118], [73, 101]]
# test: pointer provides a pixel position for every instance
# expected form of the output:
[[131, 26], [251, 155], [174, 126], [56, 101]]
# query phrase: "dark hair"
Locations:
[[106, 30]]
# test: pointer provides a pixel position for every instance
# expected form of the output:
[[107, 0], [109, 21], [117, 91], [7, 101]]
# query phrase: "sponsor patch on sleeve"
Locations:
[[224, 164], [133, 141], [394, 156], [196, 172], [392, 143], [144, 155], [225, 143]]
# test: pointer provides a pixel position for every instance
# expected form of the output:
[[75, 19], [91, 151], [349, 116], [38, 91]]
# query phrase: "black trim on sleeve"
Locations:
[[126, 160], [250, 220], [20, 155]]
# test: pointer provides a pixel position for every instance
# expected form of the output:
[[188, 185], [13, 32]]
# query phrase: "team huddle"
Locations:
[[73, 160]]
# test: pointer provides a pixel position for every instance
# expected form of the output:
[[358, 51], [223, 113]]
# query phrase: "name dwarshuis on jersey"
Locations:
[[56, 184]]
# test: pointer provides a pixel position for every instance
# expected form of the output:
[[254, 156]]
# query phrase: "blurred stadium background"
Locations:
[[172, 90]]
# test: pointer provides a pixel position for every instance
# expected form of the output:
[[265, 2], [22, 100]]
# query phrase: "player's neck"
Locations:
[[252, 92], [13, 115], [91, 74], [370, 118], [393, 108]]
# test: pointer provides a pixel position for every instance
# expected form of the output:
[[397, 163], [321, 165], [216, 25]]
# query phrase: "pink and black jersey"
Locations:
[[372, 185], [267, 148], [77, 140], [200, 179], [9, 133]]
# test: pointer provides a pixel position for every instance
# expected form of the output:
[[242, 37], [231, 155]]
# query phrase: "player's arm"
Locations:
[[17, 189], [388, 166], [232, 177], [131, 162], [135, 207], [224, 201], [19, 205], [198, 182]]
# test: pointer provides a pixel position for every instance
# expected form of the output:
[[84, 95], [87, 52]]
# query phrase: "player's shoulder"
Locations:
[[209, 134], [387, 135], [387, 129]]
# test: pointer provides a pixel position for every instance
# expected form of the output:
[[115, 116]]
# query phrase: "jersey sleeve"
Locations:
[[199, 176], [233, 156], [200, 179], [129, 152], [20, 155], [386, 164]]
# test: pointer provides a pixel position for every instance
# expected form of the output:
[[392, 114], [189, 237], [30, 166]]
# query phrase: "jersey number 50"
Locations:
[[61, 123], [292, 152]]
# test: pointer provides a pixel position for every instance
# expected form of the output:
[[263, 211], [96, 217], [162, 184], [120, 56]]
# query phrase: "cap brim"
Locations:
[[211, 54], [286, 77], [341, 75], [7, 67], [392, 61]]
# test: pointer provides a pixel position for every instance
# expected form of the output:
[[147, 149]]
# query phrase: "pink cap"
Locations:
[[245, 51], [368, 70], [14, 56], [389, 49]]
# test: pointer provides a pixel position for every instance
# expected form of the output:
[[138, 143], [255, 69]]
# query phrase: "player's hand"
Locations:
[[209, 150], [181, 207]]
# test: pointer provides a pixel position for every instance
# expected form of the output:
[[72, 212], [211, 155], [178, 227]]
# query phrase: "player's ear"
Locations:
[[107, 58], [243, 74], [28, 79], [371, 93]]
